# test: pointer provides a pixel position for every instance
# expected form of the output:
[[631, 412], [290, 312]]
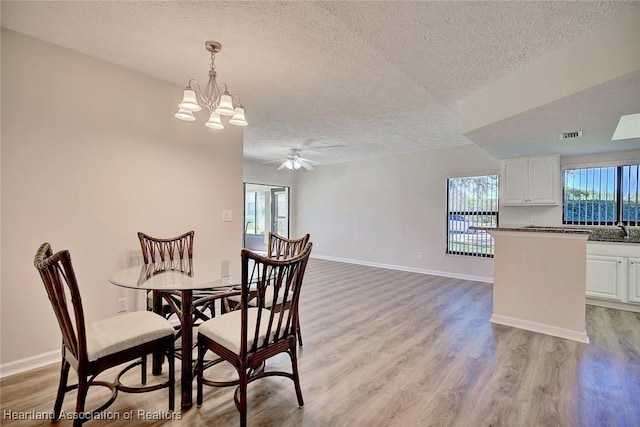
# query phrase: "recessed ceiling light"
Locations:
[[628, 127]]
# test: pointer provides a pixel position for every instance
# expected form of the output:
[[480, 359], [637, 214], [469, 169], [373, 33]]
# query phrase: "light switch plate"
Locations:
[[227, 216]]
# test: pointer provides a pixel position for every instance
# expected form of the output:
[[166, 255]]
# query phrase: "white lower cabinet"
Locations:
[[634, 280], [613, 272], [606, 277]]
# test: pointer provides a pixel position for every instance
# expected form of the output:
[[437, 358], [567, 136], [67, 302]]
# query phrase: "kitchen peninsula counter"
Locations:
[[538, 229], [539, 279]]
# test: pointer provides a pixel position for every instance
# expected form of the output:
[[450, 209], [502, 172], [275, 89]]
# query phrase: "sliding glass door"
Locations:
[[266, 208]]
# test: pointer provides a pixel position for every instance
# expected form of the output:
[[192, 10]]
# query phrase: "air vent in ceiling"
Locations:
[[570, 135]]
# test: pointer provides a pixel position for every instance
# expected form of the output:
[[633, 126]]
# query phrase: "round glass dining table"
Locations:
[[183, 277]]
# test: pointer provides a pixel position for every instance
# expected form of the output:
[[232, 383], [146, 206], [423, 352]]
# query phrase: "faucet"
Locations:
[[625, 230]]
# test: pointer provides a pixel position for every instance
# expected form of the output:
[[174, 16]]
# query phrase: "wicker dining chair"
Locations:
[[92, 348], [155, 250], [247, 337], [278, 247]]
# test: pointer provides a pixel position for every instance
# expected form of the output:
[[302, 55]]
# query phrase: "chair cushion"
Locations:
[[268, 298], [225, 329], [108, 336]]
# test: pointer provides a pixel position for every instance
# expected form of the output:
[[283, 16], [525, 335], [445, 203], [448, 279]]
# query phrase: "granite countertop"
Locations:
[[597, 234]]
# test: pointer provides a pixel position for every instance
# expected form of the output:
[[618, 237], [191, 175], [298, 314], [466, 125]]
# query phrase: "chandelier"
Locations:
[[216, 98]]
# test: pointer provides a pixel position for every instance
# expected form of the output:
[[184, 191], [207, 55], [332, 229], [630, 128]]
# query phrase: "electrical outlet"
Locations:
[[121, 305], [419, 254]]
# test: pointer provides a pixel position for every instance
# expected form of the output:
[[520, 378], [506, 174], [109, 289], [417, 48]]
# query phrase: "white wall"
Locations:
[[91, 154], [382, 211]]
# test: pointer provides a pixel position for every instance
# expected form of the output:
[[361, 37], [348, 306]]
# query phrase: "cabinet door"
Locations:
[[634, 280], [543, 180], [514, 181], [605, 277]]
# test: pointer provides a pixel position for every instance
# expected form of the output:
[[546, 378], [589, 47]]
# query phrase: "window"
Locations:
[[266, 208], [471, 201], [601, 195], [254, 208]]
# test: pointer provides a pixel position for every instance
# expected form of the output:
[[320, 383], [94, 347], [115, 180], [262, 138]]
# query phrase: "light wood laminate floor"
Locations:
[[391, 348]]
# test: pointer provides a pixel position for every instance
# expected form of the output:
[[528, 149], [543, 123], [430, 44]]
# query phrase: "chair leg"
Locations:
[[296, 377], [62, 389], [172, 376], [299, 336], [143, 370], [241, 396], [199, 373], [83, 389]]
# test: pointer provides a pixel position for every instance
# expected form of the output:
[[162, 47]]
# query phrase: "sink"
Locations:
[[613, 235]]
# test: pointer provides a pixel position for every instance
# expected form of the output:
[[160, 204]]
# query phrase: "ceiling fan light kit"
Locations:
[[294, 162], [216, 99], [290, 164]]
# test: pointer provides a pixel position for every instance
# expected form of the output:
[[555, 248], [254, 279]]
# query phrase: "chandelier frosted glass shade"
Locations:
[[225, 106], [238, 117], [216, 99], [189, 101], [214, 121], [185, 115]]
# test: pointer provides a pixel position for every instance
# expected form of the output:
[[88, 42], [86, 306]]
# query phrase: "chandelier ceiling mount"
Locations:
[[213, 46]]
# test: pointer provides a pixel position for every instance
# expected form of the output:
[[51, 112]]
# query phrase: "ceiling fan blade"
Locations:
[[323, 147], [304, 164], [311, 162], [273, 161], [282, 166], [310, 147]]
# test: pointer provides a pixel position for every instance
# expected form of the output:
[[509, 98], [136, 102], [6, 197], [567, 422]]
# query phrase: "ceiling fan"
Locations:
[[294, 161]]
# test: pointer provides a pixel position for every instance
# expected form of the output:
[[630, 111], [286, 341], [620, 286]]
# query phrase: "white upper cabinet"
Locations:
[[514, 181], [530, 181]]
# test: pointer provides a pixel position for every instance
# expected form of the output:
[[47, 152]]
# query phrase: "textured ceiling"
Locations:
[[364, 79]]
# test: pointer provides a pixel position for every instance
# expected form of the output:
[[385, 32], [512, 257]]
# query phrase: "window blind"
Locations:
[[471, 201]]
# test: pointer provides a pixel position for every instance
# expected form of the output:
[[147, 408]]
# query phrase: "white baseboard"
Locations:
[[570, 334], [408, 269], [614, 304], [29, 363]]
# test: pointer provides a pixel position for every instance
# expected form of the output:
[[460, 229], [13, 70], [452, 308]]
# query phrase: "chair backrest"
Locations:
[[284, 278], [59, 279], [280, 247], [156, 249]]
